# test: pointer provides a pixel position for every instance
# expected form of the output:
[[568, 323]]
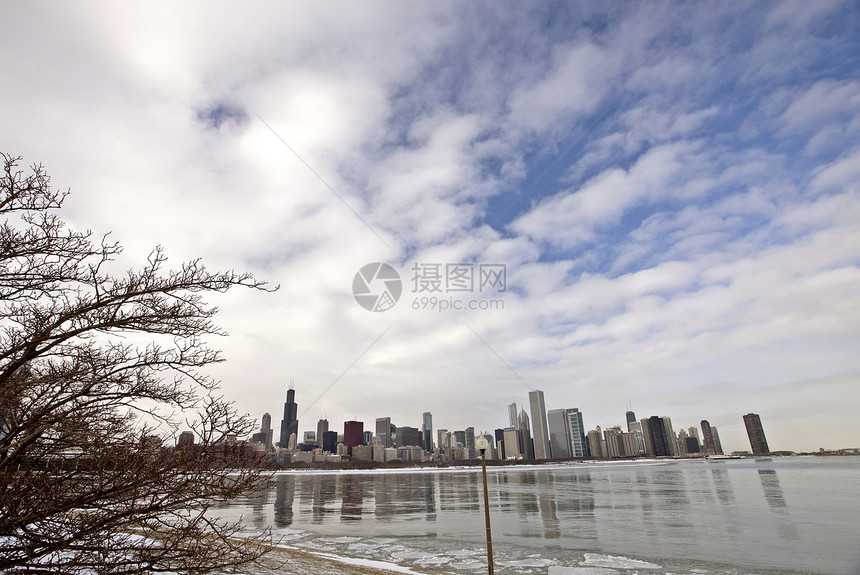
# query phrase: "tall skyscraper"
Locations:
[[755, 432], [266, 432], [658, 436], [526, 433], [186, 439], [539, 424], [634, 428], [513, 443], [329, 441], [693, 443], [578, 441], [682, 442], [618, 443], [631, 420], [596, 445], [671, 438], [513, 414], [427, 431], [441, 440], [718, 447], [290, 422], [707, 438], [406, 436], [500, 443], [471, 452], [559, 434], [383, 431], [353, 434], [322, 427]]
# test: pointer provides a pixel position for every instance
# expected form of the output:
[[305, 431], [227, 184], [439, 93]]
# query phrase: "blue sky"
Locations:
[[672, 187]]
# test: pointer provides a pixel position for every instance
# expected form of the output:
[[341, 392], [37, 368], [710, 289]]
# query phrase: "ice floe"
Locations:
[[557, 570], [600, 560]]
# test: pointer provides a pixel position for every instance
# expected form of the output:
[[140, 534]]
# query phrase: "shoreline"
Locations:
[[475, 465], [283, 559]]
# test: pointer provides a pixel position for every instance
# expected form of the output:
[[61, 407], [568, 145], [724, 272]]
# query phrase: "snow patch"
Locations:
[[531, 562], [617, 562], [556, 570]]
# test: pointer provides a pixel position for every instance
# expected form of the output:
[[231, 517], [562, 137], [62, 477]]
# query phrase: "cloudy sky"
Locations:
[[672, 190]]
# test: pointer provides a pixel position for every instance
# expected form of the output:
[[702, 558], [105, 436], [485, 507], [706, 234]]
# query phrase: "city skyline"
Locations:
[[657, 436], [652, 203]]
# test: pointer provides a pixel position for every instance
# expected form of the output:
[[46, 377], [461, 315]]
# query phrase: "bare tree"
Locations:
[[85, 483]]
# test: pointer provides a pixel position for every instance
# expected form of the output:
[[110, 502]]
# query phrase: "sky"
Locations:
[[651, 204]]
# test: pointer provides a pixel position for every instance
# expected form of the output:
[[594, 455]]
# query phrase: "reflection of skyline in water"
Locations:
[[284, 488], [701, 508], [775, 498], [539, 498]]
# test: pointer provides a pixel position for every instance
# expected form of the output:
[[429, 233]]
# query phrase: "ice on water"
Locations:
[[434, 554], [599, 560], [404, 555]]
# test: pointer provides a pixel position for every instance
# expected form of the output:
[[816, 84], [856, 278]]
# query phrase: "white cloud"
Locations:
[[572, 218], [684, 249], [576, 82], [841, 173]]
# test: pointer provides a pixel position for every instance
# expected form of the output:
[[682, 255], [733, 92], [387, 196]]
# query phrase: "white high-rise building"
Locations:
[[539, 424], [526, 433], [512, 415]]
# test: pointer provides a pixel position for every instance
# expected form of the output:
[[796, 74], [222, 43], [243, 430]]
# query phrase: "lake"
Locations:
[[767, 516]]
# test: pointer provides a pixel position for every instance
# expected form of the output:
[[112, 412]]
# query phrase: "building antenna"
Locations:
[[292, 386]]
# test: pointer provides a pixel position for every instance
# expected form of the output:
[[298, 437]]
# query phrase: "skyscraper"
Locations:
[[596, 443], [266, 432], [513, 443], [631, 420], [290, 422], [578, 441], [353, 434], [471, 452], [512, 415], [526, 433], [718, 447], [658, 436], [539, 423], [407, 436], [427, 431], [500, 443], [329, 441], [707, 438], [383, 431], [559, 434], [322, 427], [671, 438], [755, 432], [441, 440]]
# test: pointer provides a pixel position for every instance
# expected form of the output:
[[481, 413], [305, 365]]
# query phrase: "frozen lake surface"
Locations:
[[738, 517]]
